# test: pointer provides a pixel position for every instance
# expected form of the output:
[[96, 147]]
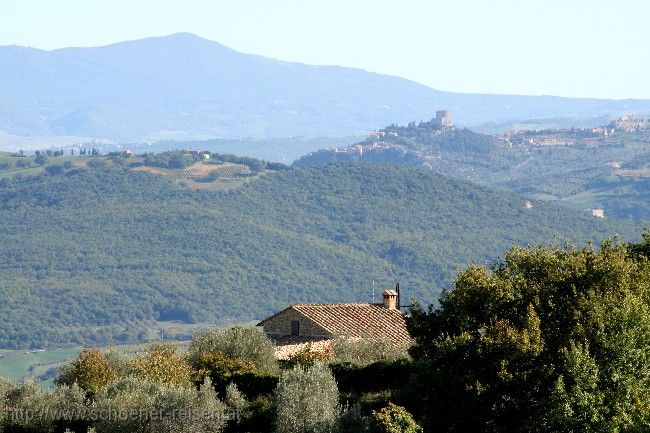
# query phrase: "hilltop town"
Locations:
[[609, 134], [585, 168]]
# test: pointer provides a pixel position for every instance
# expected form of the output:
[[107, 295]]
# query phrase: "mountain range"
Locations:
[[185, 87]]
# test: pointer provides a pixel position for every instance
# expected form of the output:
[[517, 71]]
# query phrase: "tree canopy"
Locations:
[[550, 340]]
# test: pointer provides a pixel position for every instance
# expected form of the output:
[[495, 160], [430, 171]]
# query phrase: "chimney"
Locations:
[[390, 299]]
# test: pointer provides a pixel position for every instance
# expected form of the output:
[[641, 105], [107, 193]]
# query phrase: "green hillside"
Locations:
[[95, 255]]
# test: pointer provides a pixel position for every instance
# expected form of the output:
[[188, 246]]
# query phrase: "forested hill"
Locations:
[[91, 255], [420, 146]]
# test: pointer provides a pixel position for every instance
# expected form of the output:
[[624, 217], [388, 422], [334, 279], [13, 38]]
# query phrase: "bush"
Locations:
[[375, 377], [352, 420], [40, 159], [183, 409], [276, 166], [234, 398], [254, 385], [258, 416], [91, 370], [54, 170], [23, 163], [30, 408], [220, 368], [364, 351], [235, 344], [393, 419], [98, 164], [161, 363], [175, 159], [181, 161], [307, 400]]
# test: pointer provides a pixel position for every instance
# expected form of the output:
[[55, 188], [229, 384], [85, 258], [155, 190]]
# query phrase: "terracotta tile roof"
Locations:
[[358, 320]]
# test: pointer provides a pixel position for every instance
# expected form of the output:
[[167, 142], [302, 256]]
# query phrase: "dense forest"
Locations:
[[93, 253]]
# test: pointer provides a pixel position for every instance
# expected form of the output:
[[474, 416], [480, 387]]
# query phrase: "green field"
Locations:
[[18, 365]]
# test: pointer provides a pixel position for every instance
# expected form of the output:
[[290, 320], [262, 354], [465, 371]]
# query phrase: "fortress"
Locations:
[[443, 120]]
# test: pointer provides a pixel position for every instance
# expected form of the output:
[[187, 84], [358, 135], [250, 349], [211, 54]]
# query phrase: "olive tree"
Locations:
[[242, 345], [307, 400], [135, 404]]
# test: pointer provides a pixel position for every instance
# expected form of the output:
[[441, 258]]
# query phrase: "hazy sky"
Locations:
[[588, 48]]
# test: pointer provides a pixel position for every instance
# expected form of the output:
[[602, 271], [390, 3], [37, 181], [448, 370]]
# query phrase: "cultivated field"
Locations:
[[225, 170]]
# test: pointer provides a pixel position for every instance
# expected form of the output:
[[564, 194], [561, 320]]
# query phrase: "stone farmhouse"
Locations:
[[316, 325]]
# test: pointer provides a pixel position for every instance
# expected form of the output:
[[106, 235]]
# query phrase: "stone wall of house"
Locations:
[[280, 325]]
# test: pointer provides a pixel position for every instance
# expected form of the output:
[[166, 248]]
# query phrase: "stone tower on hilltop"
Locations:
[[443, 120]]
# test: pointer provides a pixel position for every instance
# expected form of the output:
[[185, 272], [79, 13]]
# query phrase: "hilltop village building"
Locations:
[[590, 137], [316, 325], [443, 120], [629, 123]]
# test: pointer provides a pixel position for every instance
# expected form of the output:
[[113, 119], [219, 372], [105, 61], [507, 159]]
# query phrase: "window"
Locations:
[[295, 327]]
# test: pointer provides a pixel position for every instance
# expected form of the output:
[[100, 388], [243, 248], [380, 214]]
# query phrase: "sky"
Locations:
[[577, 48]]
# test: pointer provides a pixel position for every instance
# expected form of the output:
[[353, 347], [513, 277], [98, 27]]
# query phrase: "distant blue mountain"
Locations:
[[182, 86]]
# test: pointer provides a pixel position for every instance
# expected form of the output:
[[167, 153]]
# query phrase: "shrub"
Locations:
[[69, 402], [364, 351], [254, 385], [211, 177], [373, 377], [91, 370], [221, 368], [30, 408], [23, 163], [352, 420], [258, 416], [183, 409], [234, 398], [5, 387], [181, 161], [161, 363], [307, 400], [98, 164], [277, 166], [393, 419], [235, 343], [237, 405], [40, 159], [54, 170]]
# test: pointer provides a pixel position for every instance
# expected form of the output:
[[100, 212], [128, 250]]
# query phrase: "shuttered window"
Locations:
[[295, 327]]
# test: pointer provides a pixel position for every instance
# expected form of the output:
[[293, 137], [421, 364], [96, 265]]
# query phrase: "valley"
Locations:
[[96, 250]]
